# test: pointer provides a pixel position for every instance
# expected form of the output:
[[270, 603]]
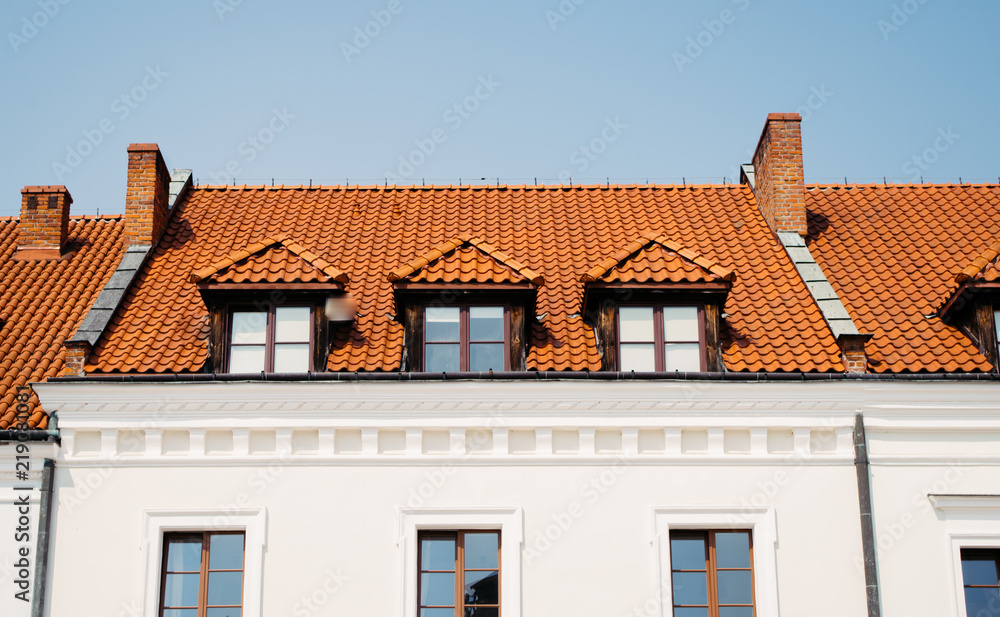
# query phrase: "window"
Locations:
[[981, 581], [459, 574], [660, 338], [711, 573], [273, 339], [996, 332], [202, 575], [465, 338]]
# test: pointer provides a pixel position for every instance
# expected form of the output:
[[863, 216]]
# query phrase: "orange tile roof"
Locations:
[[557, 232], [465, 259], [984, 268], [43, 301], [270, 261], [892, 254], [657, 259]]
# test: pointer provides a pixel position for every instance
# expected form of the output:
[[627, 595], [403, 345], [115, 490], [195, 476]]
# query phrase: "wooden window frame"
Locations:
[[659, 342], [459, 571], [712, 570], [463, 328], [269, 332], [202, 607]]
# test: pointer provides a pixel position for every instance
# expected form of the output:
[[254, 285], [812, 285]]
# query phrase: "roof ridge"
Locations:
[[979, 264], [460, 241], [267, 243], [643, 241]]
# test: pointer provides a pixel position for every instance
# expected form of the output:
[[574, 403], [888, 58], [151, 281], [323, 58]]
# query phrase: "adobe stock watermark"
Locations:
[[253, 145], [562, 12], [311, 603], [223, 7], [33, 24], [714, 28], [900, 16], [585, 155], [945, 139], [453, 117], [370, 30], [121, 108]]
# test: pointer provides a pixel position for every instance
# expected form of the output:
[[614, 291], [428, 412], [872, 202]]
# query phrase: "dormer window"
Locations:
[[660, 338], [465, 338], [277, 339], [974, 305], [465, 306], [270, 306], [657, 307]]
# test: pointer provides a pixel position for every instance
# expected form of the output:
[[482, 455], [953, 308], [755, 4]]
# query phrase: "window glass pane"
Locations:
[[979, 568], [996, 320], [246, 359], [735, 611], [225, 588], [440, 358], [735, 587], [249, 328], [682, 357], [181, 590], [635, 324], [178, 612], [437, 589], [225, 552], [637, 357], [690, 588], [184, 555], [437, 554], [482, 587], [691, 612], [687, 554], [680, 323], [291, 358], [481, 611], [223, 612], [442, 324], [291, 324], [981, 601], [485, 323], [481, 550], [486, 356], [732, 549]]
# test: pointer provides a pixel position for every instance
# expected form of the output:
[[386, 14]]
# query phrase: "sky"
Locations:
[[547, 91]]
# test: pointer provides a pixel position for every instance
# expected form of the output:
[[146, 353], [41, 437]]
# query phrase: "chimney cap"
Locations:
[[792, 117], [46, 189], [143, 148]]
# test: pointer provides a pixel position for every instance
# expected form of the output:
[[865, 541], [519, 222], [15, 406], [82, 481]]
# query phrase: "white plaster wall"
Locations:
[[344, 519]]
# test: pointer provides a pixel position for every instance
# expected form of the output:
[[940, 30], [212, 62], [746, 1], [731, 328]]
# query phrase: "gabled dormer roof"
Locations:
[[984, 269], [656, 259], [465, 259], [271, 261]]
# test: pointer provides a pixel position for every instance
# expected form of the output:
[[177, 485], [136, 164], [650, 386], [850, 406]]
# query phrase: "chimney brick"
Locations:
[[146, 195], [44, 222], [852, 352], [779, 184], [77, 353]]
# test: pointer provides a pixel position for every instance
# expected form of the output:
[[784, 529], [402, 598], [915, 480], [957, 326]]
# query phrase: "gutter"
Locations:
[[401, 376], [861, 465]]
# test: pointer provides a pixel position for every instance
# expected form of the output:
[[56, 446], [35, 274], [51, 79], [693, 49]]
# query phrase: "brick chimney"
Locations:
[[779, 185], [146, 195], [44, 222]]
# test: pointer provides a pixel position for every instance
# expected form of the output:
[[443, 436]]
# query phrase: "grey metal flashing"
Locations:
[[747, 174], [822, 291], [107, 302]]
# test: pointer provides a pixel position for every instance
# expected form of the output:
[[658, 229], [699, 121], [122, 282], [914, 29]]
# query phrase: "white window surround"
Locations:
[[760, 521], [251, 521], [971, 521], [509, 521]]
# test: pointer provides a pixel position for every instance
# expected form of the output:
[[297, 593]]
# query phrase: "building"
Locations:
[[767, 398]]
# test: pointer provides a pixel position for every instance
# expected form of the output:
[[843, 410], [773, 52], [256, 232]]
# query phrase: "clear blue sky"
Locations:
[[657, 90]]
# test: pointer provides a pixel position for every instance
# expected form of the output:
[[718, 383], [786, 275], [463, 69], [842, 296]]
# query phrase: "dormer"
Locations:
[[974, 306], [270, 305], [656, 306], [465, 306]]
